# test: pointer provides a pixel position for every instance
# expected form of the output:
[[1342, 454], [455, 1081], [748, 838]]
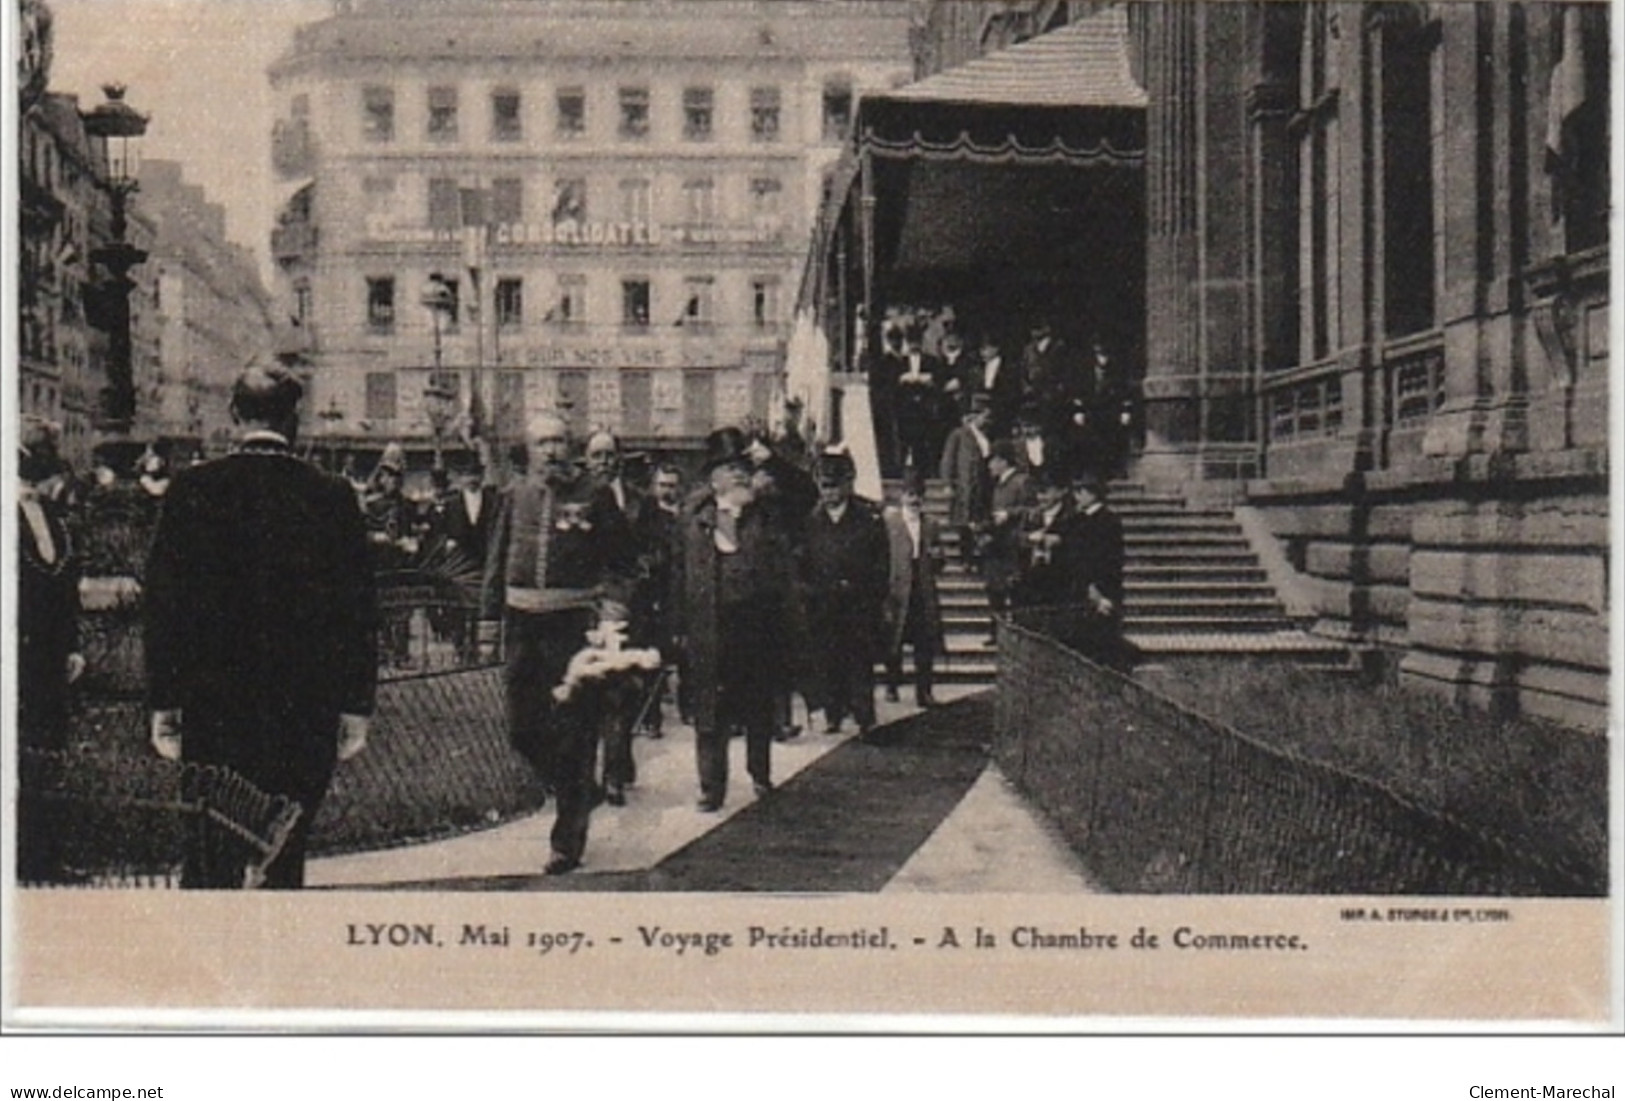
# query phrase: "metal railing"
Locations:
[[1157, 798]]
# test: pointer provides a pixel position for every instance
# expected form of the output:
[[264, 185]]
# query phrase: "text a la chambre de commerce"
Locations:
[[713, 942]]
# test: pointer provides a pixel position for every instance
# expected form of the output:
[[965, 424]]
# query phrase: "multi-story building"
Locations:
[[613, 198], [212, 314], [1378, 313], [61, 203]]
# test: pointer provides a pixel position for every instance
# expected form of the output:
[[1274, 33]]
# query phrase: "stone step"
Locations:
[[1198, 624], [1194, 572], [1206, 606], [1167, 554], [1142, 525], [1206, 540], [1139, 591], [1291, 645]]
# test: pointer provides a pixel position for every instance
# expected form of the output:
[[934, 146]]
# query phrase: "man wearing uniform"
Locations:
[[844, 575], [560, 546], [260, 619]]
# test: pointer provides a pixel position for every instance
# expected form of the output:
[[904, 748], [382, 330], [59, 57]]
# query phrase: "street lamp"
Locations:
[[115, 130], [439, 397]]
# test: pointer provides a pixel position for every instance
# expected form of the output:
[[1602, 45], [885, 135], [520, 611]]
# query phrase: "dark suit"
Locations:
[[918, 413], [558, 545], [844, 576], [47, 627], [468, 537], [1054, 385], [884, 369], [47, 632], [913, 612], [260, 626], [1096, 558], [1004, 394], [1001, 551], [730, 610]]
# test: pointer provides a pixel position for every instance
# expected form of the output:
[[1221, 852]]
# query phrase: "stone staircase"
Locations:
[[1193, 588]]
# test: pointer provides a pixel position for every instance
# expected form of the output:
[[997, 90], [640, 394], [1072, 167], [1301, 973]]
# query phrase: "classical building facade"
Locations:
[[612, 200], [1377, 313], [213, 314]]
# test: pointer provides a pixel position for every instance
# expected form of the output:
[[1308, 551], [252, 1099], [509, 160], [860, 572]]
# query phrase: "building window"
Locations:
[[380, 396], [1577, 144], [635, 201], [698, 301], [445, 204], [381, 303], [569, 200], [700, 201], [837, 110], [510, 302], [1407, 171], [442, 121], [764, 301], [378, 194], [506, 124], [634, 112], [635, 303], [571, 117], [766, 198], [508, 201], [378, 113], [302, 302], [698, 110], [764, 114], [570, 308]]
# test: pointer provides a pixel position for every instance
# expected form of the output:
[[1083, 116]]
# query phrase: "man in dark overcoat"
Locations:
[[913, 610], [844, 575], [1048, 566], [261, 619], [919, 399], [964, 468], [731, 581], [467, 513], [885, 367], [48, 658], [1011, 498], [560, 547], [606, 466], [1095, 556]]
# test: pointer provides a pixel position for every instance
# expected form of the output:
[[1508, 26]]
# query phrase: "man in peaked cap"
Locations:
[[260, 620], [844, 581]]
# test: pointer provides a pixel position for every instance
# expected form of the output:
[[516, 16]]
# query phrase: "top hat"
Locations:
[[1008, 450], [834, 467], [393, 458], [981, 402], [723, 447]]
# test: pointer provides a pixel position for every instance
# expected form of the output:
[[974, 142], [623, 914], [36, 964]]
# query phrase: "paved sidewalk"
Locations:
[[991, 842]]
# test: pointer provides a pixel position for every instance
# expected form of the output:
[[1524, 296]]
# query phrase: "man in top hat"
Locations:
[[913, 610], [659, 536], [885, 369], [393, 541], [731, 584], [260, 619], [1048, 566], [559, 549], [844, 578]]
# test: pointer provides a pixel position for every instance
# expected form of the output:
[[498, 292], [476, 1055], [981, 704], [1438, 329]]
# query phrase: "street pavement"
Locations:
[[990, 842]]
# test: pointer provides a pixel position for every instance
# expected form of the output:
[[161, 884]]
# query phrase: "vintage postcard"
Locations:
[[811, 515]]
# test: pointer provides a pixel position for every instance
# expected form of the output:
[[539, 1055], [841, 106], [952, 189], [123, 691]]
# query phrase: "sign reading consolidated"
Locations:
[[574, 234]]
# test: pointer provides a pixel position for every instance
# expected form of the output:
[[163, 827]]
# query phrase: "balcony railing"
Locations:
[[1307, 405], [1414, 380]]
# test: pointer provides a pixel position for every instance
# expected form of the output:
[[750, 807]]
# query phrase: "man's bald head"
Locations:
[[547, 438]]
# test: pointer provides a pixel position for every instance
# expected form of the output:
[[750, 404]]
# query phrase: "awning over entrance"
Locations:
[[1011, 187]]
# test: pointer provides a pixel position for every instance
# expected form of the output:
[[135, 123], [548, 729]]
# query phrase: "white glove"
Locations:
[[352, 735], [76, 667], [166, 734]]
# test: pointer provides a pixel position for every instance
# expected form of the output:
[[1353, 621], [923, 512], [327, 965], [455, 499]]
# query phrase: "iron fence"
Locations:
[[1158, 798]]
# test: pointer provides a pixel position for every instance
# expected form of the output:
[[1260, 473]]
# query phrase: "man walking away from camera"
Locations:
[[260, 620]]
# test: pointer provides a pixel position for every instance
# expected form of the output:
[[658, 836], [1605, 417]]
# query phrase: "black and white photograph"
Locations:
[[1001, 509]]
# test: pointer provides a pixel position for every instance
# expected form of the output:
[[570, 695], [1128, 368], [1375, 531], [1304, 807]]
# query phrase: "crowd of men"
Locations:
[[927, 374], [765, 578]]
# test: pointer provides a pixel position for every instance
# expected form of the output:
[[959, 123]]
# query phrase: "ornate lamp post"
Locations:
[[115, 130], [439, 397]]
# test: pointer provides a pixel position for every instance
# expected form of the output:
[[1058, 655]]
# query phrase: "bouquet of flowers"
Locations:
[[605, 658]]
